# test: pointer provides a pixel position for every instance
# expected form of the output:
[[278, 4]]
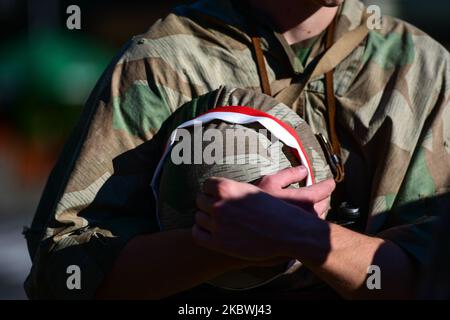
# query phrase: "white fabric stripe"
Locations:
[[239, 118]]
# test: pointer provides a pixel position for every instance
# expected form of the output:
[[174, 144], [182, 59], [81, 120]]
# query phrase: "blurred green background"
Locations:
[[46, 74]]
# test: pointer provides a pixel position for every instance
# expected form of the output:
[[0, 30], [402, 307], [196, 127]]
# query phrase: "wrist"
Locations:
[[310, 239]]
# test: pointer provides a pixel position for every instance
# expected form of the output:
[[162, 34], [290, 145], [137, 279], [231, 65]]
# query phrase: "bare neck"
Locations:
[[296, 20]]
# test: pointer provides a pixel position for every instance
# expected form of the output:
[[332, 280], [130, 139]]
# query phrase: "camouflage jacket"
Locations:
[[393, 121]]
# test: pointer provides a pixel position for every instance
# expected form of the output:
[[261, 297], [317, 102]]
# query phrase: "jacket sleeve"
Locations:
[[424, 195], [98, 196]]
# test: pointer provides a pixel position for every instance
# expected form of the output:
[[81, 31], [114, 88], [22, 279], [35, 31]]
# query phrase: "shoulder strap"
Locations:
[[334, 54], [262, 71]]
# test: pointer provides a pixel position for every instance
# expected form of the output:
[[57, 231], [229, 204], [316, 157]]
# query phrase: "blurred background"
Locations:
[[46, 74]]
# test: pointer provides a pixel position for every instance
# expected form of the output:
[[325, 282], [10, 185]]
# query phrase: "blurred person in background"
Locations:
[[380, 96]]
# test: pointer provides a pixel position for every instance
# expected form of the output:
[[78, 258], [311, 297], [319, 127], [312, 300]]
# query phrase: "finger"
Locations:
[[201, 236], [312, 194], [322, 189], [212, 186], [205, 203], [204, 221], [285, 177], [321, 208]]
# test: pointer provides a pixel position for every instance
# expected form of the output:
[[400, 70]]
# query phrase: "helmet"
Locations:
[[241, 135]]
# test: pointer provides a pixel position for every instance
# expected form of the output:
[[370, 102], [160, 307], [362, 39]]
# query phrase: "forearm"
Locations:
[[341, 258], [158, 265]]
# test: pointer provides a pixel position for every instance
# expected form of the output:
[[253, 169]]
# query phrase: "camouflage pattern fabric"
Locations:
[[393, 121]]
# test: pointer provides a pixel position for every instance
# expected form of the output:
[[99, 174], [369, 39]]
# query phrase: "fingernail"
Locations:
[[302, 168]]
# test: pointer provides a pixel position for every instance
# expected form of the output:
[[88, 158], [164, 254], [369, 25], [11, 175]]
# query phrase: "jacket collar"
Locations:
[[235, 17]]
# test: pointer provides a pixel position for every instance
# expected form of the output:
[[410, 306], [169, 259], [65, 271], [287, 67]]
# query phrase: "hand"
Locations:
[[315, 198], [241, 220]]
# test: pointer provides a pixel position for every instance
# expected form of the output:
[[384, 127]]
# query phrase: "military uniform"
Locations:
[[393, 122]]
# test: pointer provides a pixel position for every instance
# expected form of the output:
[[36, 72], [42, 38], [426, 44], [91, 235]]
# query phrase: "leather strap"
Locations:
[[338, 169], [262, 71], [335, 53]]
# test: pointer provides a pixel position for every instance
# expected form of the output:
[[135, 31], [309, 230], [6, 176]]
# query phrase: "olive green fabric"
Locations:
[[303, 49]]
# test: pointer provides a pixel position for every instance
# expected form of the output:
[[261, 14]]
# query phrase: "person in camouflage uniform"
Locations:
[[392, 93]]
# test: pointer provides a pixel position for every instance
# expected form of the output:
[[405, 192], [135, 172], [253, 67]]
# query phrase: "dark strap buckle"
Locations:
[[333, 159]]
